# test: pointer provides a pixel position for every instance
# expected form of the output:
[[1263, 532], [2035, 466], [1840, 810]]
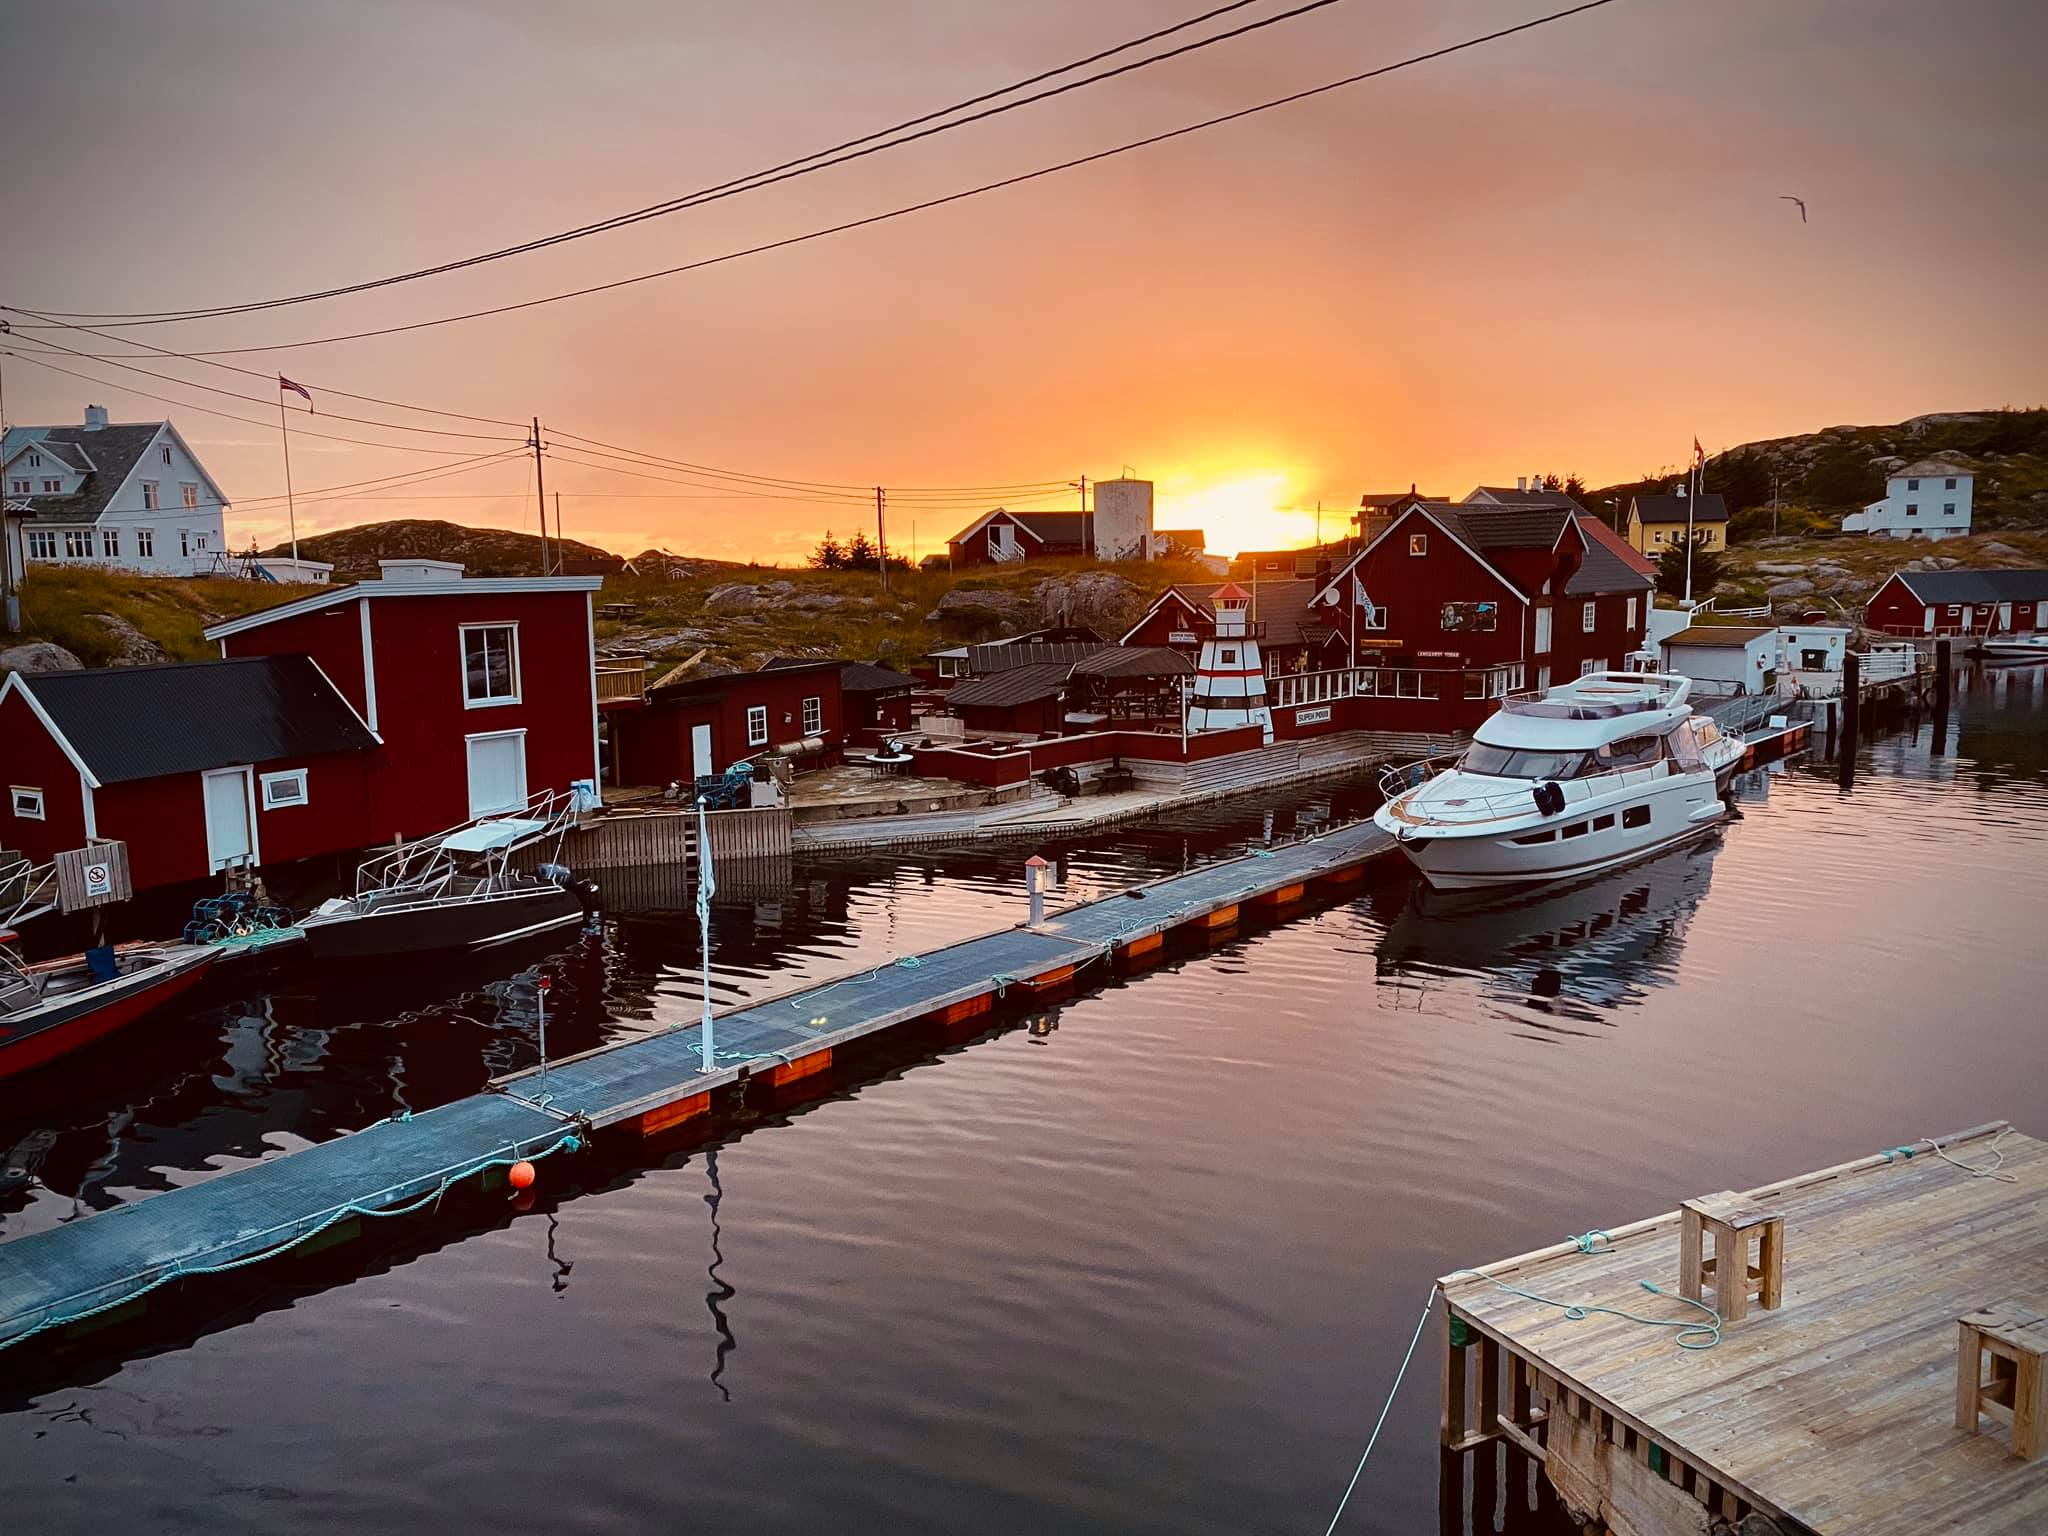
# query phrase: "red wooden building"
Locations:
[[1000, 536], [480, 691], [1960, 603], [196, 767], [703, 725], [1455, 606]]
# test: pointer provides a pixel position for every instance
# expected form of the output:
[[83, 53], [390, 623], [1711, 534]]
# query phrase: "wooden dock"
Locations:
[[73, 1276], [1835, 1411]]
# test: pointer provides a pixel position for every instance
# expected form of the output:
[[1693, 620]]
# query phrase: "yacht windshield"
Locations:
[[1521, 763]]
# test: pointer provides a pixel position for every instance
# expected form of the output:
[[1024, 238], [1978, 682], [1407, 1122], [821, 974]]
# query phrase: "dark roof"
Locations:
[[1976, 586], [872, 677], [1282, 606], [145, 722], [114, 451], [1007, 655], [1718, 634], [1135, 661], [1611, 563], [1056, 527], [1526, 526], [1533, 496], [1018, 685], [1707, 507]]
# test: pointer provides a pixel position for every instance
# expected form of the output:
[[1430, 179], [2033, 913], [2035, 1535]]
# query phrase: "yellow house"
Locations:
[[1657, 523]]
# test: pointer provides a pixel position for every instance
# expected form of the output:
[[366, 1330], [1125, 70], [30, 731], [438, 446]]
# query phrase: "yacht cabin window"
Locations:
[[1521, 762]]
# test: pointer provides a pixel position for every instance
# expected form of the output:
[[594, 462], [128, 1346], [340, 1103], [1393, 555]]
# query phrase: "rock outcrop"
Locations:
[[39, 656], [135, 648], [983, 613], [1107, 603]]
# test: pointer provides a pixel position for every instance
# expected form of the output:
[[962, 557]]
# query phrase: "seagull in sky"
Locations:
[[1800, 201]]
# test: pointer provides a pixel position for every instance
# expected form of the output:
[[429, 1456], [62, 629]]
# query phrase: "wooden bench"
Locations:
[[1731, 1221], [2015, 1336]]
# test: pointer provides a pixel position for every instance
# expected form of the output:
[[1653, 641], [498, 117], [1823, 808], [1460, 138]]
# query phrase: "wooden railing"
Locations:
[[621, 679]]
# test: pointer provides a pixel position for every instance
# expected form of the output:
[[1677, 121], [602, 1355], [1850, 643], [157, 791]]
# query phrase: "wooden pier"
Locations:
[[1883, 1377], [75, 1276]]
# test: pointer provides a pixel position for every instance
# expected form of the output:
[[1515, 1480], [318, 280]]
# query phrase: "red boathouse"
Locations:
[[703, 725]]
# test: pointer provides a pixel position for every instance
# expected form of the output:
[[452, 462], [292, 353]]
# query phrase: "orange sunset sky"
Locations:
[[1563, 251]]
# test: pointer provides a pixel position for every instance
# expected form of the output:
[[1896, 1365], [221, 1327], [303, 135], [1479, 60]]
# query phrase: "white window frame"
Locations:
[[110, 543], [20, 488], [1591, 665], [952, 666], [462, 656], [51, 486], [42, 543], [1589, 617], [35, 461], [145, 543], [151, 501], [281, 780], [191, 494], [165, 450], [184, 543], [814, 715], [1418, 545], [1631, 613], [757, 725], [26, 803], [77, 543]]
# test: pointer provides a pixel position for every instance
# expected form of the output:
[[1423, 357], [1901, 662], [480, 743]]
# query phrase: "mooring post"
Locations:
[[540, 1003], [1034, 884], [1943, 664], [1852, 709]]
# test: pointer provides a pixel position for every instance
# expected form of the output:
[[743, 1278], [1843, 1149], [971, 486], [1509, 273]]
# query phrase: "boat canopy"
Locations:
[[492, 836]]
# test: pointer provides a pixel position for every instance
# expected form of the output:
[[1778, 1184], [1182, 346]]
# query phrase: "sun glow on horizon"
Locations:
[[1259, 510]]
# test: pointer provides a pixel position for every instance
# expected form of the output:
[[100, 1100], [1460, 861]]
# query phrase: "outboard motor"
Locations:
[[557, 874], [1549, 798]]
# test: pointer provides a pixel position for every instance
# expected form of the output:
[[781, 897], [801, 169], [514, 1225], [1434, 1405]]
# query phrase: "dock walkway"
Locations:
[[1833, 1412], [63, 1277]]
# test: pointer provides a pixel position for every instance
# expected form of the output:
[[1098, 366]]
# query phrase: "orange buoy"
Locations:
[[521, 1176]]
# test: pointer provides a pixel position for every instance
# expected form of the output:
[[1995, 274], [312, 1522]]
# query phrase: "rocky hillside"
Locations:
[[354, 552]]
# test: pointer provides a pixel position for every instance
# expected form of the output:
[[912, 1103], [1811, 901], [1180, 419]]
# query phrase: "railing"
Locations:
[[621, 679], [1476, 808], [1885, 663], [1292, 689], [26, 890], [410, 863]]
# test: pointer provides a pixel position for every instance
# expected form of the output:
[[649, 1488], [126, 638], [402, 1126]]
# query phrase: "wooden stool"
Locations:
[[1730, 1219], [2015, 1336]]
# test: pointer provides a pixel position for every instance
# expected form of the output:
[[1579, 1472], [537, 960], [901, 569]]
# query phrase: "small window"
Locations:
[[952, 666], [110, 543], [145, 543], [150, 500], [282, 789], [1631, 613], [1949, 484], [1227, 656], [1418, 543], [27, 803], [20, 487], [757, 725], [1602, 823], [1912, 485], [1373, 616], [1591, 665], [52, 487], [165, 451], [190, 492], [490, 664], [1912, 509], [1589, 616], [184, 542], [35, 461], [1636, 816], [1575, 829], [199, 541], [814, 717], [78, 543], [1948, 509], [42, 544], [1530, 839]]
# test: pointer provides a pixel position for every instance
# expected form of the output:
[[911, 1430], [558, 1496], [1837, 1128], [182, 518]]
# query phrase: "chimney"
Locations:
[[1521, 482], [1678, 490], [95, 417]]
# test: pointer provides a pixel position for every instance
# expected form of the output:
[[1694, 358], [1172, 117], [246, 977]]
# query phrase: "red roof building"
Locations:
[[698, 726], [1000, 536]]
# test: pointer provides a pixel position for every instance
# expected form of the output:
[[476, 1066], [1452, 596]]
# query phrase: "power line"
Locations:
[[927, 204], [826, 485], [835, 155]]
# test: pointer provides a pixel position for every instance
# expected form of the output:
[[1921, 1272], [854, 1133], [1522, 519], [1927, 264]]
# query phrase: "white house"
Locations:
[[1927, 500], [1811, 656], [130, 496], [1725, 658]]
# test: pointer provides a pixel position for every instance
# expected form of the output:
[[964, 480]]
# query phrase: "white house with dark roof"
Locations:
[[129, 496], [1927, 500]]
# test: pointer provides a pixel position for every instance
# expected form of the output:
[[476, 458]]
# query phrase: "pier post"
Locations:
[[1034, 885], [1852, 709], [1943, 666]]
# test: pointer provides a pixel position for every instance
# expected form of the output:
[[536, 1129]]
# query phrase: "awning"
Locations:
[[490, 836]]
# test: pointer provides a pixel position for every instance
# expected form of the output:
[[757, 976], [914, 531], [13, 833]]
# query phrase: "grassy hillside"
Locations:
[[354, 552], [72, 606]]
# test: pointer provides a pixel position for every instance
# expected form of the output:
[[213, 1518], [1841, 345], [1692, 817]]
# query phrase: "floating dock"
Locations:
[[77, 1275], [1877, 1368]]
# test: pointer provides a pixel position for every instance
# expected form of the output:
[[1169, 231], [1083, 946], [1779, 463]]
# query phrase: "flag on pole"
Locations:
[[707, 886], [1699, 455], [300, 390], [1363, 603]]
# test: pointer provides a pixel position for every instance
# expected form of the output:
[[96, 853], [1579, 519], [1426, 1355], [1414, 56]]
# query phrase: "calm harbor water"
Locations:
[[1146, 1266]]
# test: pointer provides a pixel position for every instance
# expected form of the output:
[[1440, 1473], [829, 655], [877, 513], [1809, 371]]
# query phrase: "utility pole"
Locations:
[[558, 532], [1319, 523], [881, 538], [540, 494], [10, 605], [1087, 523], [1774, 503]]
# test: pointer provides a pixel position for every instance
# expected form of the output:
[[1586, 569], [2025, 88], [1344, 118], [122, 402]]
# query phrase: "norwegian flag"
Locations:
[[300, 390], [1699, 455]]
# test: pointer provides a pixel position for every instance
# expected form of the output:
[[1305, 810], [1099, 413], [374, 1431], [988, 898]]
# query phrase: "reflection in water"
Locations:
[[721, 1292]]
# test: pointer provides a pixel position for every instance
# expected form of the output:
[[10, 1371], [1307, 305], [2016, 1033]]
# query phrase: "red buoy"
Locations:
[[521, 1176]]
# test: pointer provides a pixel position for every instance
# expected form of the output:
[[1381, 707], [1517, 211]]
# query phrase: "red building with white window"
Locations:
[[1452, 607], [1960, 603], [700, 726], [480, 691]]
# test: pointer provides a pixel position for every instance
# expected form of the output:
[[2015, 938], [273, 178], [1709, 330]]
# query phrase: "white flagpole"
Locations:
[[705, 886], [291, 508]]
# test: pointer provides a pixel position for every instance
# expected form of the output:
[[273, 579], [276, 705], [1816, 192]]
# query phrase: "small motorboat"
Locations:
[[455, 892], [1564, 784], [2016, 648], [54, 1007]]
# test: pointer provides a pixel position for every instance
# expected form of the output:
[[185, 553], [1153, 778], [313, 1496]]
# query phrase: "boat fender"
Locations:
[[1549, 798], [558, 874]]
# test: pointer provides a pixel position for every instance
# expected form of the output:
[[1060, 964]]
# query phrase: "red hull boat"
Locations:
[[59, 1006]]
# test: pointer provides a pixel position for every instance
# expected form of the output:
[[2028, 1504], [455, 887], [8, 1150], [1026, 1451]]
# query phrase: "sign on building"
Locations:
[[93, 877]]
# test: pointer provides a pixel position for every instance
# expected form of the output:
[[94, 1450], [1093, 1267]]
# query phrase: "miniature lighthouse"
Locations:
[[1230, 679]]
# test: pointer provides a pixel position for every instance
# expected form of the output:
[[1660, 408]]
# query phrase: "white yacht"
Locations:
[[1565, 783]]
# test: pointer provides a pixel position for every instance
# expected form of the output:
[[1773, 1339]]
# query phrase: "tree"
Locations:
[[1574, 487], [829, 556], [1743, 479], [860, 554], [1706, 570]]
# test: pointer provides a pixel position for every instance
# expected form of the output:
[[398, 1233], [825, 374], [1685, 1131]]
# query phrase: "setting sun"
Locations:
[[1250, 511]]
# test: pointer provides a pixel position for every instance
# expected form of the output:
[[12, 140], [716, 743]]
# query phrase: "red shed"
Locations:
[[703, 725], [196, 767], [998, 537], [1960, 602], [482, 691]]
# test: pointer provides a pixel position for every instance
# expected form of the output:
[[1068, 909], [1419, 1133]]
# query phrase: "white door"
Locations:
[[497, 773], [1928, 628], [2005, 617], [1542, 631], [700, 751], [1002, 539], [227, 818], [1968, 613]]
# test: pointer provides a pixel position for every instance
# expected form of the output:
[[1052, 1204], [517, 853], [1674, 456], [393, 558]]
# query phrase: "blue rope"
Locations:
[[1689, 1336], [1399, 1376], [178, 1269], [1586, 1241]]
